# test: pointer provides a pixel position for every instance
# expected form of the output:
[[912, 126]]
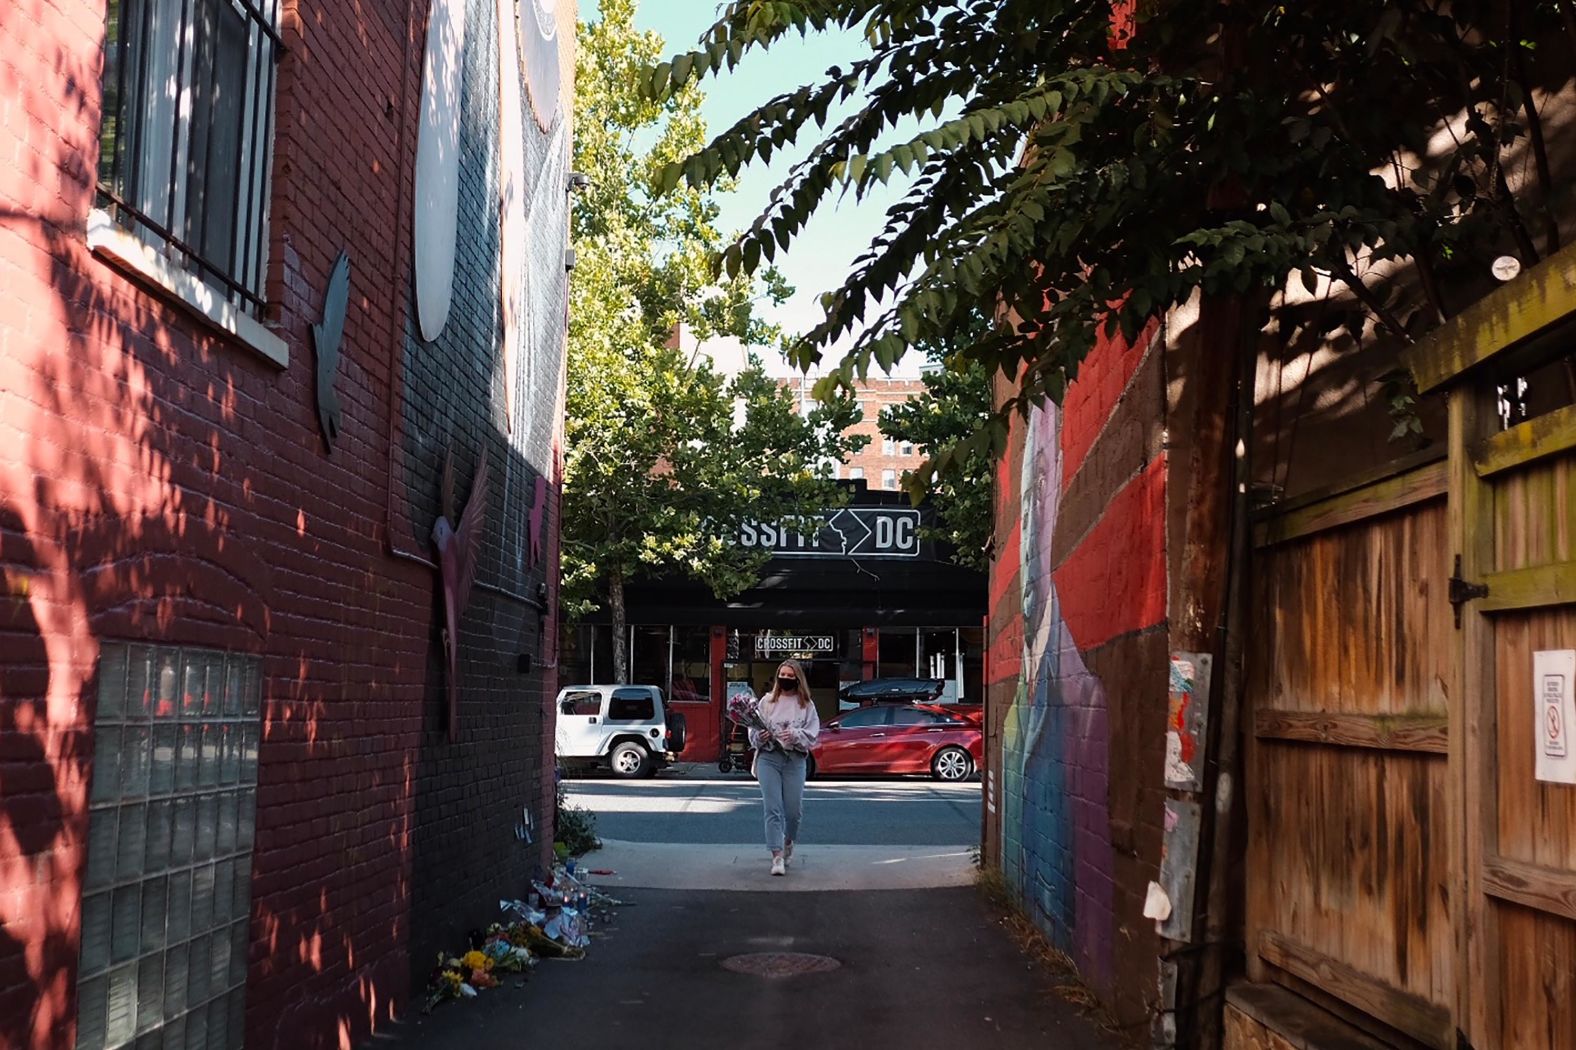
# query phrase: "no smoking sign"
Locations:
[[1552, 673]]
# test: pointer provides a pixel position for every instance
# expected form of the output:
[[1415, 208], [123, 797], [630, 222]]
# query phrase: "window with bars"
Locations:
[[186, 138], [166, 899]]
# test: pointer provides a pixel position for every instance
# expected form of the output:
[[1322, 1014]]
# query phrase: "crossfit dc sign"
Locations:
[[850, 532], [1552, 674]]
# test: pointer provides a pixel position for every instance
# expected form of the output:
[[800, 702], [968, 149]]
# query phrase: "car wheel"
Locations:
[[630, 760], [951, 763]]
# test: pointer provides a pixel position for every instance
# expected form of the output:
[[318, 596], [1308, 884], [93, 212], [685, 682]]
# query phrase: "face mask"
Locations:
[[788, 685]]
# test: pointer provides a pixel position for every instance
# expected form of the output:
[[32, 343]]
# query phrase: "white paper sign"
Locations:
[[1552, 674]]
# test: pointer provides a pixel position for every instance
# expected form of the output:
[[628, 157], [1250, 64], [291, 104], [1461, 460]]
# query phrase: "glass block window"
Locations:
[[167, 895]]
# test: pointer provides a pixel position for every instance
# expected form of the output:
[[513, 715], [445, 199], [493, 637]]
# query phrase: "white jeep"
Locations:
[[623, 728]]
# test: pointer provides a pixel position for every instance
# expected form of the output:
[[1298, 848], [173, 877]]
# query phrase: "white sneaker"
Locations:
[[778, 867]]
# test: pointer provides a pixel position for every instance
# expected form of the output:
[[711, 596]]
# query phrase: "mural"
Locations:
[[1056, 844]]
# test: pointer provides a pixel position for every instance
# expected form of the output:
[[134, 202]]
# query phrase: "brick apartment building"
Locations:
[[881, 463], [251, 304]]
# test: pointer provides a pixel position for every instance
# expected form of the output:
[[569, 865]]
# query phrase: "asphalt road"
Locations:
[[727, 809], [914, 970], [879, 893]]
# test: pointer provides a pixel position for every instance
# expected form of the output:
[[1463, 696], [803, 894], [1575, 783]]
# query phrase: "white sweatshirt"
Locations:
[[795, 726]]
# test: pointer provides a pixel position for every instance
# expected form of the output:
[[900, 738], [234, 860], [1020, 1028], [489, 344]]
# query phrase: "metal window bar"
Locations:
[[132, 183]]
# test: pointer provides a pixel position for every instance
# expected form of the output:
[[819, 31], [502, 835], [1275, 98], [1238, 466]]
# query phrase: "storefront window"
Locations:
[[973, 642], [574, 654], [691, 664], [601, 654], [648, 658], [899, 652], [938, 658], [852, 667]]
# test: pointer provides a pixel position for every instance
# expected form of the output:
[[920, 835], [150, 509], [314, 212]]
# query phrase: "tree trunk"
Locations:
[[615, 604]]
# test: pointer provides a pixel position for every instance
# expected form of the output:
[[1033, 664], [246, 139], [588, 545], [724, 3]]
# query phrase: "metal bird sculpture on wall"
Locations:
[[538, 517], [458, 539], [326, 338]]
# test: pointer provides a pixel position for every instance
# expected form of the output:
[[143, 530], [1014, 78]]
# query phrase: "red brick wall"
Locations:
[[1076, 636], [159, 481]]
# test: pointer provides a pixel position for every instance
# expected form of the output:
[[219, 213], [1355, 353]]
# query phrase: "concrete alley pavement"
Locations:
[[918, 970], [880, 893]]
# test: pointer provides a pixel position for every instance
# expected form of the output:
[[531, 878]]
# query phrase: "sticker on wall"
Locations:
[[1552, 673], [525, 830], [1178, 868], [1187, 720], [539, 43], [437, 187], [326, 339]]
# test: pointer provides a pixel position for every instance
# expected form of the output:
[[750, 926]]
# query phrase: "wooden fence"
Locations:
[[1407, 869]]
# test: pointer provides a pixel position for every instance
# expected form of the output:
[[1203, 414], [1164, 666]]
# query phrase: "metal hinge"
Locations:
[[1461, 591]]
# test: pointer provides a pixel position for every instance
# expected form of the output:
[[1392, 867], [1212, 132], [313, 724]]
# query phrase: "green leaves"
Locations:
[[1075, 192], [664, 455]]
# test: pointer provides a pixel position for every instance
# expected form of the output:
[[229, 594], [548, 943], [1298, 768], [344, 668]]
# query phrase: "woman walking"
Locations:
[[782, 752]]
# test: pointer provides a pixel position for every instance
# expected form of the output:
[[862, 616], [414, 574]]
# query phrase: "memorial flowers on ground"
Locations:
[[553, 922]]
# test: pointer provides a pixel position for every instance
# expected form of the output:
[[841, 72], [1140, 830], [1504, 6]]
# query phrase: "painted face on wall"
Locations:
[[1041, 488]]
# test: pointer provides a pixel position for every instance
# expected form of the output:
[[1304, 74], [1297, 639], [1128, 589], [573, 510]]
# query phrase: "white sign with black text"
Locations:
[[793, 643], [851, 532], [1552, 674]]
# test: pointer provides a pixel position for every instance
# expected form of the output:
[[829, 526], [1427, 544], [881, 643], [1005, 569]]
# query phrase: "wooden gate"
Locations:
[[1407, 867]]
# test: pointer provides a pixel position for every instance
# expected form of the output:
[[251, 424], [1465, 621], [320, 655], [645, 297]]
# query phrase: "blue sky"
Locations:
[[825, 250]]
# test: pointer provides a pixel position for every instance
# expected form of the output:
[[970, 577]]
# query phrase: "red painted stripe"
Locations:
[[1114, 581], [1102, 377]]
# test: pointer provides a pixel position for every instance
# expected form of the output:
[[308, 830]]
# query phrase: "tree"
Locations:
[[1089, 165], [666, 457], [956, 403]]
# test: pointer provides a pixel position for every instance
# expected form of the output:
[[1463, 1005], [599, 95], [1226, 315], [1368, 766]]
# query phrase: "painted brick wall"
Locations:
[[159, 481], [1077, 668], [471, 792]]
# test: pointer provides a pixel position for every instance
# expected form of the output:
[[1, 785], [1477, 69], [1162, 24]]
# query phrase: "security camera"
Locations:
[[569, 259], [578, 181]]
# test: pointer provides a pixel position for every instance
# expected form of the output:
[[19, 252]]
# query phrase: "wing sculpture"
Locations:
[[326, 338], [538, 517], [459, 544]]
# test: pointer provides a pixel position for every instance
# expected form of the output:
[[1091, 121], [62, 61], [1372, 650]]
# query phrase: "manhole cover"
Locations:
[[779, 964]]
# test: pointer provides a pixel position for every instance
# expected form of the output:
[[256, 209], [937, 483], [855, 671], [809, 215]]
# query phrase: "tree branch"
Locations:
[[1365, 295], [1540, 151]]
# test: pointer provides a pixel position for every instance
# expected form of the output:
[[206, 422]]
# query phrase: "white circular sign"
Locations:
[[1506, 267], [539, 49]]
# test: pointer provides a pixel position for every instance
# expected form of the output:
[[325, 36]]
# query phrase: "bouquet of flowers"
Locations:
[[743, 711]]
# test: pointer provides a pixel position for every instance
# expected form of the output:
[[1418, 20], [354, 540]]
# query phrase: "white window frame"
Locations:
[[141, 223]]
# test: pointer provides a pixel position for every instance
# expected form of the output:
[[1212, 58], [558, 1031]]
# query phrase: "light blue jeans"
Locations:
[[781, 775]]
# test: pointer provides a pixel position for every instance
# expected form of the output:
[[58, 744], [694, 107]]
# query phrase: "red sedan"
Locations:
[[900, 738]]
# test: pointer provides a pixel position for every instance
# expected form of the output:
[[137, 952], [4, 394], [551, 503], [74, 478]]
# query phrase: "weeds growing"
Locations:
[[1066, 983]]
